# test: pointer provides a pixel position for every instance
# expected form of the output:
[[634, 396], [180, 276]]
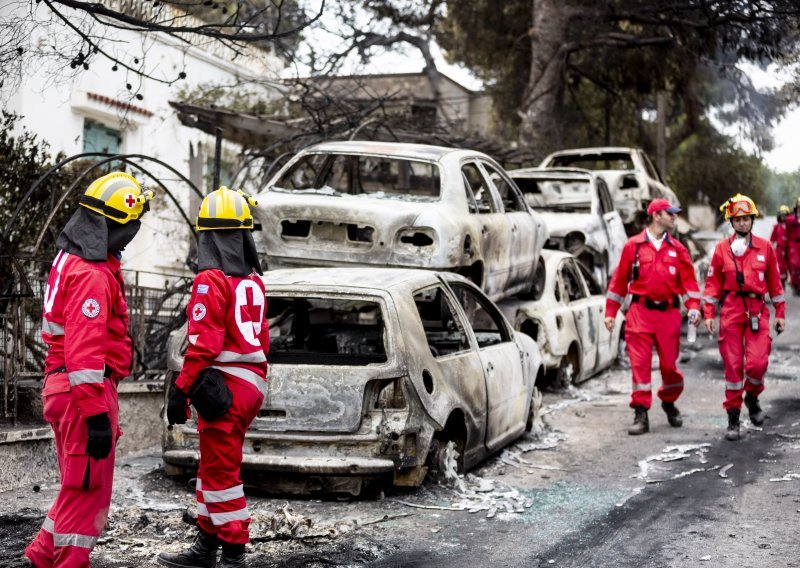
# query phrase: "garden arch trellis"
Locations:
[[19, 336]]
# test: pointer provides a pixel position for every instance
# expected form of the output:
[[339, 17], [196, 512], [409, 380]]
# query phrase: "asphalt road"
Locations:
[[583, 494]]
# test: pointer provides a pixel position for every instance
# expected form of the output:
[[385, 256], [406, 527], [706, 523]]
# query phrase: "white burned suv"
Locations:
[[402, 205], [632, 178], [376, 374]]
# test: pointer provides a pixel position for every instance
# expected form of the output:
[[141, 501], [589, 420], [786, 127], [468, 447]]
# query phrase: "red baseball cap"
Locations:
[[662, 205]]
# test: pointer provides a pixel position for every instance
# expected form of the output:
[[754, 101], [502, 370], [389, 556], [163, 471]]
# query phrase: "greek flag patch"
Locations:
[[202, 289]]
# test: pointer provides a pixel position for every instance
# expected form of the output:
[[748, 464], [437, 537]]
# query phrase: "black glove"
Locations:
[[176, 406], [210, 396], [99, 444]]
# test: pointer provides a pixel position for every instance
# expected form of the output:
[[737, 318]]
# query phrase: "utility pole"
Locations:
[[661, 132], [217, 159]]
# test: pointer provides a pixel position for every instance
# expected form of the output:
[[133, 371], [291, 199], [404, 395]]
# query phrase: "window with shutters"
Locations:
[[100, 138]]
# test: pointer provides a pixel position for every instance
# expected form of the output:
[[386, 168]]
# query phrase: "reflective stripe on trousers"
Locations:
[[68, 539]]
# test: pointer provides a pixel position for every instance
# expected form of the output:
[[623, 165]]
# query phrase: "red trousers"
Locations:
[[79, 513], [221, 506], [745, 353], [645, 329]]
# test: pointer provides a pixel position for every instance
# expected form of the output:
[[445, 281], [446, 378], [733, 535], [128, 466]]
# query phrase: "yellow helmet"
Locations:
[[784, 210], [226, 209], [117, 196], [739, 206]]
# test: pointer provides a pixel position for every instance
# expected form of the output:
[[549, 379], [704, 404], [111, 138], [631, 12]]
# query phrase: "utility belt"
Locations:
[[742, 294], [660, 305]]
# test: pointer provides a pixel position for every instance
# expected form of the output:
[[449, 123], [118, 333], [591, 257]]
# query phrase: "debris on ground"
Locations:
[[577, 396], [787, 477], [479, 495], [670, 454]]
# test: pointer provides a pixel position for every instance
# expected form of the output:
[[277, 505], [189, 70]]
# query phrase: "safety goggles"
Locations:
[[740, 208]]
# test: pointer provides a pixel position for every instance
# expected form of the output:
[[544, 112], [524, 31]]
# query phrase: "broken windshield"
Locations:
[[308, 330], [363, 175], [598, 161], [555, 194]]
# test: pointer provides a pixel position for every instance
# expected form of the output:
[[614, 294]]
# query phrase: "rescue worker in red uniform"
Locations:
[[85, 326], [655, 269], [793, 247], [779, 240], [223, 375], [744, 268]]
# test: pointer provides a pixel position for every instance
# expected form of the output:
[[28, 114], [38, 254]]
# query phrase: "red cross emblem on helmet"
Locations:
[[130, 200]]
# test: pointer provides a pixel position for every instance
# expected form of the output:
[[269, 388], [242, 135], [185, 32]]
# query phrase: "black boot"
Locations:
[[673, 414], [201, 554], [641, 423], [732, 433], [754, 408], [232, 556]]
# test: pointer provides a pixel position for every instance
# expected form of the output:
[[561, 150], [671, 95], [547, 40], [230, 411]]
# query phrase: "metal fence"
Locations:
[[154, 313]]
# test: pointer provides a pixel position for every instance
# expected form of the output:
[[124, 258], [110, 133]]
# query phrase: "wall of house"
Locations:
[[462, 109], [57, 109]]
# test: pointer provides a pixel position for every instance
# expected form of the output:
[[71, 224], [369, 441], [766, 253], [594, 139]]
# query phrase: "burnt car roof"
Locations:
[[422, 151], [362, 278], [594, 150], [551, 172]]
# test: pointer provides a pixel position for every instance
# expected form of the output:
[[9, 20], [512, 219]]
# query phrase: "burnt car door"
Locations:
[[597, 304], [452, 371], [502, 360], [612, 222], [522, 258], [493, 227], [586, 320]]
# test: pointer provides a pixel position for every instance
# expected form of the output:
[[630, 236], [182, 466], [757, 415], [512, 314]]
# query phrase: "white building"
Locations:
[[94, 111]]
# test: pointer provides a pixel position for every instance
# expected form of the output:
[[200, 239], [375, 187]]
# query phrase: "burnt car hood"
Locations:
[[329, 217], [304, 398], [559, 224]]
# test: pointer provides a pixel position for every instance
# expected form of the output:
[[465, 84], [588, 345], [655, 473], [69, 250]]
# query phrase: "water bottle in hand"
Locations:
[[691, 333]]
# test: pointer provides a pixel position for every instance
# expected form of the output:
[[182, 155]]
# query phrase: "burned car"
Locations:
[[401, 205], [579, 213], [632, 178], [376, 375], [567, 322]]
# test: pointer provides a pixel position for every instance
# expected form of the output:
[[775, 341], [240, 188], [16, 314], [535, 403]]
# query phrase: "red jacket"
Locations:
[[759, 266], [780, 241], [227, 329], [663, 274], [85, 325], [792, 243]]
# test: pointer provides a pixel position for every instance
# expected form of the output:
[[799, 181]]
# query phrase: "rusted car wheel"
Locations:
[[445, 459], [569, 368]]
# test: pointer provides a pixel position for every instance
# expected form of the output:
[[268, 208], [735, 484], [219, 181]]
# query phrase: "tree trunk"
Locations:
[[541, 127]]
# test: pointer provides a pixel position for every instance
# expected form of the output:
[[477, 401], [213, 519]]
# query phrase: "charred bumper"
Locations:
[[293, 464]]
